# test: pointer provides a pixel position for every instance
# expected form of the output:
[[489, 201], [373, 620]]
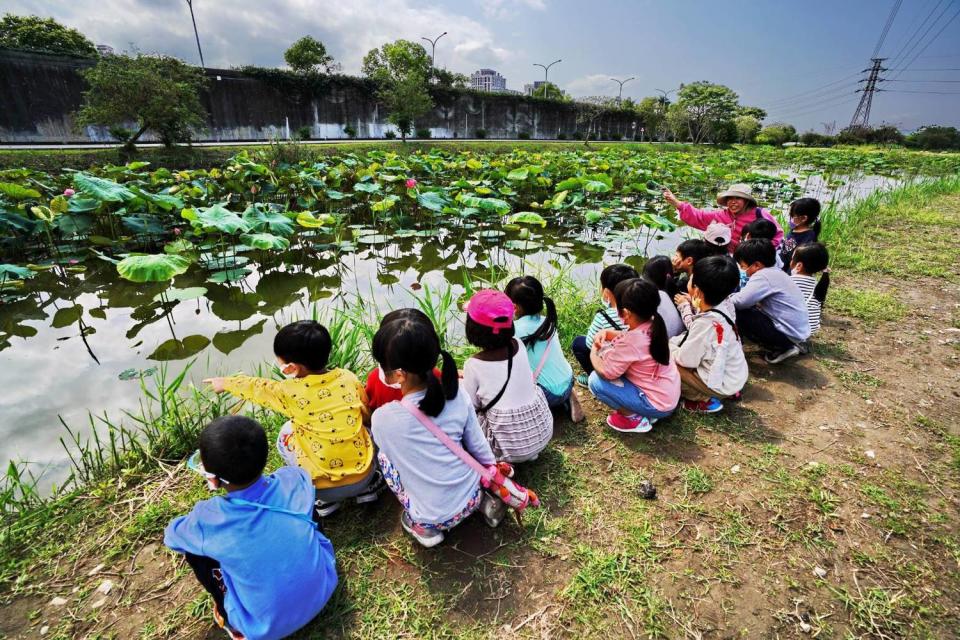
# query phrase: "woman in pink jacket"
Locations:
[[739, 209]]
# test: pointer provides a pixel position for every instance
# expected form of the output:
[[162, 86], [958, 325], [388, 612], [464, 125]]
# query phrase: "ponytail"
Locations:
[[820, 291], [816, 228], [659, 341], [439, 391], [547, 328]]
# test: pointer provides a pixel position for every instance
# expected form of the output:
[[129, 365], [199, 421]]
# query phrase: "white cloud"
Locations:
[[596, 84], [503, 9], [251, 32]]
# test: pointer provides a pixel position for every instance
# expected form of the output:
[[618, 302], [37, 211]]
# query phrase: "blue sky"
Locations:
[[800, 61]]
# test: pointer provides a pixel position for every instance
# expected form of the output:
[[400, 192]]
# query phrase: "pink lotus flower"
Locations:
[[411, 183], [73, 261], [253, 189], [68, 192], [177, 231]]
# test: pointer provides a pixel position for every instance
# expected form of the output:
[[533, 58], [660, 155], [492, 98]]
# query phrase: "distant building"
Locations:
[[528, 89], [105, 50], [487, 80]]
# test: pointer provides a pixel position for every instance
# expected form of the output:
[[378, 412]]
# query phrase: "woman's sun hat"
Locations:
[[718, 233], [737, 191], [491, 308]]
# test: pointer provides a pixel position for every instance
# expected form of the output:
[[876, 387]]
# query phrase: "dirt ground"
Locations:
[[825, 504]]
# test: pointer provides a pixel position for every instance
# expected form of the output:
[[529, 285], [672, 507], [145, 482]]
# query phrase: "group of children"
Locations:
[[673, 332]]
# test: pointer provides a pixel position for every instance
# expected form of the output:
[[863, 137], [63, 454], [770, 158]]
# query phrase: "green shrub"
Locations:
[[423, 132], [523, 135], [480, 133], [390, 135], [350, 131], [561, 136], [812, 139], [615, 137], [302, 133], [120, 134], [577, 135]]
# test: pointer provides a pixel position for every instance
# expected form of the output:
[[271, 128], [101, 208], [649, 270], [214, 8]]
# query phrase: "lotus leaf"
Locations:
[[216, 217], [17, 192], [152, 268], [528, 217], [265, 241], [102, 189]]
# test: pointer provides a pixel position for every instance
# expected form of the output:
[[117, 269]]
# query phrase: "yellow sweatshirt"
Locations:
[[328, 412]]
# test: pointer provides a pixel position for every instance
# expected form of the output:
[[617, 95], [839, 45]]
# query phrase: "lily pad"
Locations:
[[152, 268], [174, 349], [228, 275], [174, 294]]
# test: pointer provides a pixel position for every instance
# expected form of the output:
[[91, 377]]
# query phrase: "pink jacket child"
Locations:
[[739, 209]]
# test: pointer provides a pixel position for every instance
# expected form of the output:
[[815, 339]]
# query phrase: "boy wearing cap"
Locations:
[[257, 549], [511, 408], [739, 209]]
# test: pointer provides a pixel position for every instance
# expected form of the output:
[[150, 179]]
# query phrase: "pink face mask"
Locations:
[[383, 380]]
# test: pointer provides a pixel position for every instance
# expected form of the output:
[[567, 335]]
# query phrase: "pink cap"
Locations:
[[491, 308]]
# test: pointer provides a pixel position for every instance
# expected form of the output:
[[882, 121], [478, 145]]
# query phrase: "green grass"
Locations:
[[697, 480], [870, 306]]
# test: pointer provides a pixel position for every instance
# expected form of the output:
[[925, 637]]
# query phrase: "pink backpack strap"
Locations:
[[459, 451], [543, 360]]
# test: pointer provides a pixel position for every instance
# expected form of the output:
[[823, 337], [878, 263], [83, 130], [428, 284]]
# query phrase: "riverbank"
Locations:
[[825, 503]]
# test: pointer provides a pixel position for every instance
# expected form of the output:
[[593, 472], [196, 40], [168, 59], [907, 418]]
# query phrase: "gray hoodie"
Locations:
[[776, 294], [711, 347]]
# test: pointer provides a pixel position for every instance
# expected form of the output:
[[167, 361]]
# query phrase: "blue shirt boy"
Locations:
[[278, 569]]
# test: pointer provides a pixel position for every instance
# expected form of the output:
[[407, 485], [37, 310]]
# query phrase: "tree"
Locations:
[[935, 138], [158, 94], [705, 107], [550, 91], [756, 112], [43, 34], [587, 114], [777, 134], [397, 61], [407, 100], [884, 134], [401, 69], [653, 113], [449, 79], [747, 128], [309, 55]]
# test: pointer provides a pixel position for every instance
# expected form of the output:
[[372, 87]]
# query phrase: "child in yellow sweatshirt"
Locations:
[[327, 433]]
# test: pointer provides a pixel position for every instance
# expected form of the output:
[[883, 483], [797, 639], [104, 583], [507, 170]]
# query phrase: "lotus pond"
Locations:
[[111, 274]]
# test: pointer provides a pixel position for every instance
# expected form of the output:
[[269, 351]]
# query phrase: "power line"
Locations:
[[929, 28], [817, 109], [939, 93], [930, 41], [792, 113], [910, 41], [886, 27], [927, 81], [813, 92]]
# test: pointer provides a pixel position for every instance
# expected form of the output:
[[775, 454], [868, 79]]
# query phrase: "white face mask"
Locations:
[[383, 380]]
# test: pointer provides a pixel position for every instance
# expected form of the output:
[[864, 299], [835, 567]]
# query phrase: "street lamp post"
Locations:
[[433, 47], [546, 70], [621, 83], [195, 32]]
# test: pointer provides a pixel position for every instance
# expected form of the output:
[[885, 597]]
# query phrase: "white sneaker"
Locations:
[[426, 537], [778, 357]]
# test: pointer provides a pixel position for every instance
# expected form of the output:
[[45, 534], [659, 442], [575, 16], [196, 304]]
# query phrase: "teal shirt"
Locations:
[[556, 374]]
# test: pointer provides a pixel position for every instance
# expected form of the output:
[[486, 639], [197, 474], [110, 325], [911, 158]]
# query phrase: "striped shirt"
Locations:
[[807, 284], [600, 323]]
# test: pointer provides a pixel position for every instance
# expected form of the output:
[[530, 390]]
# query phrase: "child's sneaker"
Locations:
[[582, 379], [426, 537], [628, 424], [493, 510], [776, 357], [325, 509], [710, 406], [576, 409], [372, 492]]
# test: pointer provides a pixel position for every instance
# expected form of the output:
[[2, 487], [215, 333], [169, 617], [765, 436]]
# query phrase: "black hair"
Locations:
[[408, 344], [527, 293], [716, 277], [406, 313], [306, 342], [642, 298], [614, 274], [234, 448], [756, 250], [483, 337], [659, 271], [760, 228], [815, 258], [378, 344], [698, 248], [810, 209]]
